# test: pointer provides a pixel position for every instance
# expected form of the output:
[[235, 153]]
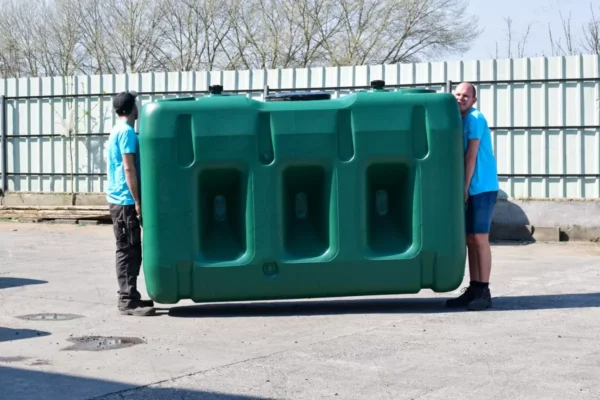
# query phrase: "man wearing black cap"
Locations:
[[124, 199]]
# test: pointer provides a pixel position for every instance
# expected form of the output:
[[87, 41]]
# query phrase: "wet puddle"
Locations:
[[101, 343], [50, 317]]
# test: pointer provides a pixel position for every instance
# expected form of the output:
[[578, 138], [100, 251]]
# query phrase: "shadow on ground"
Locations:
[[25, 384], [378, 306], [510, 222], [8, 334], [8, 282]]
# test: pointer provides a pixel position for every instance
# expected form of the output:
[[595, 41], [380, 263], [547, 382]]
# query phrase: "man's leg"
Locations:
[[473, 256], [484, 204], [484, 255], [128, 260]]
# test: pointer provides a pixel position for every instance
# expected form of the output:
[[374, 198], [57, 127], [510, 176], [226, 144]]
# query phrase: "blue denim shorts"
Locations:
[[479, 212]]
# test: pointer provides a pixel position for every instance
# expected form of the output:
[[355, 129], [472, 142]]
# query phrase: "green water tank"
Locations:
[[251, 200]]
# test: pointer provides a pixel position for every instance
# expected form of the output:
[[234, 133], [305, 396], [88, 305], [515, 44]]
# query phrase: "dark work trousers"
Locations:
[[128, 235]]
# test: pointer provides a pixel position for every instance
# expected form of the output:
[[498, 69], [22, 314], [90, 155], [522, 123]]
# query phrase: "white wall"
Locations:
[[519, 99]]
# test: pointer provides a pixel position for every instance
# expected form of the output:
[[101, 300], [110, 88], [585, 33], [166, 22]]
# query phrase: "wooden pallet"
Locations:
[[74, 214]]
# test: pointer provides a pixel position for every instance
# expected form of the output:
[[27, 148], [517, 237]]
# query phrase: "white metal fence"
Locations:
[[545, 115]]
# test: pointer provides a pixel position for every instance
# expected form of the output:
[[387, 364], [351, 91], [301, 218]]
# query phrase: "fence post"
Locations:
[[4, 144], [449, 86]]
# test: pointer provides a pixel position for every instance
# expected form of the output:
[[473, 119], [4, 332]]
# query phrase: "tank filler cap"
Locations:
[[215, 89], [377, 84]]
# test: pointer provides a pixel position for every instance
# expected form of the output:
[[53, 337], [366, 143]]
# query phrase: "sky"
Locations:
[[539, 13]]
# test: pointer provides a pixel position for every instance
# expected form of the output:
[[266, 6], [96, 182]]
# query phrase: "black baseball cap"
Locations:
[[123, 102]]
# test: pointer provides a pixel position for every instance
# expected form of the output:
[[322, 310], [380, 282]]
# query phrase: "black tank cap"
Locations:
[[378, 84], [215, 89]]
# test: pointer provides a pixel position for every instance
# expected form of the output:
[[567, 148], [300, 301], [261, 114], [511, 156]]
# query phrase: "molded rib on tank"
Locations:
[[266, 154], [184, 138], [345, 135], [419, 129]]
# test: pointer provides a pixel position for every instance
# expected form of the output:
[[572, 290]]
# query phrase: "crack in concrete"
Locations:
[[191, 374]]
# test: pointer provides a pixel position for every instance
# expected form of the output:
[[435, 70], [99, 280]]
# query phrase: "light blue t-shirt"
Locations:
[[485, 176], [122, 140]]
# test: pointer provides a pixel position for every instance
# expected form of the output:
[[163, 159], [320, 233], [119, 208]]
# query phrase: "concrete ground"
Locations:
[[540, 341]]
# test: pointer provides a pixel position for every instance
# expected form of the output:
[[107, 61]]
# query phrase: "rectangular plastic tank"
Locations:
[[250, 200]]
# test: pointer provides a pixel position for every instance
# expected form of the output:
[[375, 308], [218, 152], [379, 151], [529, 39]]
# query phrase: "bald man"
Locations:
[[481, 191]]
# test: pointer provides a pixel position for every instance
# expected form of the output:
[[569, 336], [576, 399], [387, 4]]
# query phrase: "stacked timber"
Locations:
[[100, 214]]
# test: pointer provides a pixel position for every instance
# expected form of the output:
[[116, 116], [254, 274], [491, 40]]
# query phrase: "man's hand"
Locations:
[[138, 209], [466, 195]]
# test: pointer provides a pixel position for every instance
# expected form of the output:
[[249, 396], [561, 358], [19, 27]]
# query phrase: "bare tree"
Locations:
[[521, 43], [10, 55], [183, 34], [509, 35], [135, 34], [214, 18], [265, 33], [18, 29], [64, 37], [238, 41], [194, 32], [94, 29], [120, 35], [591, 34], [379, 31], [558, 48], [361, 29], [61, 53], [588, 44], [563, 42], [318, 24], [417, 30]]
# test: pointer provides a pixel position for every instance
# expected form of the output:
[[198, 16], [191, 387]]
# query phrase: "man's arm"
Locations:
[[475, 131], [131, 176], [470, 159], [128, 145]]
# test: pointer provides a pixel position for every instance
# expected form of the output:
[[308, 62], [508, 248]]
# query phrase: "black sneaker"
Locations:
[[146, 303], [138, 311], [482, 300], [463, 300], [140, 303], [139, 308]]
